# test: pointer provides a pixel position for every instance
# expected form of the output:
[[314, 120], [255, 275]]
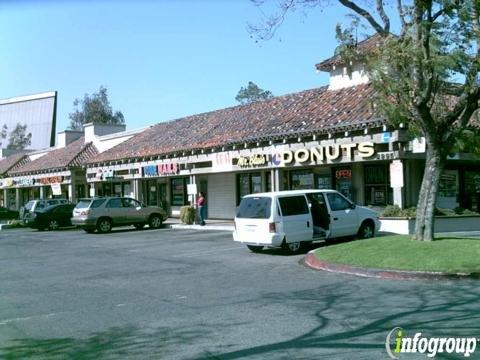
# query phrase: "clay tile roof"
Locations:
[[74, 154], [307, 112], [12, 162], [363, 47]]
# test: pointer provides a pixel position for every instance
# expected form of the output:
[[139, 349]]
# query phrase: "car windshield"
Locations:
[[29, 205], [255, 208]]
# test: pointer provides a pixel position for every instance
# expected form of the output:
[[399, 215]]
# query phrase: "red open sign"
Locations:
[[343, 174]]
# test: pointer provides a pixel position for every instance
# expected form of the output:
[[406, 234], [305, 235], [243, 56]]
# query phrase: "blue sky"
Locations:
[[159, 60]]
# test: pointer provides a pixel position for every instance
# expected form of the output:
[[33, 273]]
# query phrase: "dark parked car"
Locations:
[[7, 214], [51, 217]]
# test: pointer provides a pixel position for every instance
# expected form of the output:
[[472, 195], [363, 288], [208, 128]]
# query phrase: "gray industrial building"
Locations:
[[37, 111]]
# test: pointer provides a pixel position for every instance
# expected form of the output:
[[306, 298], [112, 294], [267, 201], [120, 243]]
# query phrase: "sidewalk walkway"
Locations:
[[219, 225]]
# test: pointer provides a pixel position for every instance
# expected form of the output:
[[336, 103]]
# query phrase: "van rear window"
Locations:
[[293, 205], [255, 208]]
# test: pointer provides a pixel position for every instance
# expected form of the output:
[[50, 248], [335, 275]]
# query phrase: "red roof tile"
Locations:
[[13, 161], [311, 111], [74, 154]]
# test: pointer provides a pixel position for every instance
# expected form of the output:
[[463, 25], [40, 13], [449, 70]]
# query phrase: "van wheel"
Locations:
[[255, 248], [367, 230], [104, 225], [293, 247]]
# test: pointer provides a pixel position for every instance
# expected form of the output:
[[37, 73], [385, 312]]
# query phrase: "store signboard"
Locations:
[[252, 160], [150, 171], [56, 189], [332, 152], [104, 174], [396, 174], [419, 145], [222, 161], [50, 180], [25, 182], [168, 169], [386, 137], [191, 189], [6, 182]]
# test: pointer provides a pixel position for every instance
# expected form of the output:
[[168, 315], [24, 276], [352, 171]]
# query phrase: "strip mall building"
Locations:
[[328, 137]]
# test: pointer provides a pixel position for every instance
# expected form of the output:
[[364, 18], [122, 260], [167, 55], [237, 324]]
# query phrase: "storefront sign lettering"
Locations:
[[50, 180], [222, 161], [168, 169], [104, 174], [25, 182], [252, 160], [329, 152], [149, 171]]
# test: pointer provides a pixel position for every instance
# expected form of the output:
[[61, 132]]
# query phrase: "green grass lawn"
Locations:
[[399, 252]]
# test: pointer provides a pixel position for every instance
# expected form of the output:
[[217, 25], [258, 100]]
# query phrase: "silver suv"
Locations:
[[104, 213]]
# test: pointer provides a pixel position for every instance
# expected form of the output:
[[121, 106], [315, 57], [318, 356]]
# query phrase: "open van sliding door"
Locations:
[[296, 218]]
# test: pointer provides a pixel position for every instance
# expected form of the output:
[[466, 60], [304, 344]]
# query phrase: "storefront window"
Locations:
[[256, 183], [471, 199], [324, 181], [248, 183], [377, 185], [114, 189], [151, 192], [179, 191], [343, 182], [301, 179], [448, 190]]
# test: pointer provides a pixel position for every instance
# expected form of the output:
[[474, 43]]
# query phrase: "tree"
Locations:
[[94, 108], [19, 138], [252, 93], [425, 75], [3, 133]]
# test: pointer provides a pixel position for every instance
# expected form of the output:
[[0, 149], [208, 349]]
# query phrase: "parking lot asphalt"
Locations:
[[180, 294]]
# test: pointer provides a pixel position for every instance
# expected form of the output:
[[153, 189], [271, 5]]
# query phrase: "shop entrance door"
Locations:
[[162, 194]]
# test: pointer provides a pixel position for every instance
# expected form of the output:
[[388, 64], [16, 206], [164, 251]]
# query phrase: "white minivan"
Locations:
[[290, 219]]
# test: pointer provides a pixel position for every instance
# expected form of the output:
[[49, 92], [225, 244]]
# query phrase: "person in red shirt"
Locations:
[[201, 207]]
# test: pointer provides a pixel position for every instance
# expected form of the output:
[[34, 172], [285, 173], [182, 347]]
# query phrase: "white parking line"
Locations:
[[7, 321]]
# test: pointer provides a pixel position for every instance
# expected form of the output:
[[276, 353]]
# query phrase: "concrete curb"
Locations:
[[313, 262], [5, 226], [198, 227]]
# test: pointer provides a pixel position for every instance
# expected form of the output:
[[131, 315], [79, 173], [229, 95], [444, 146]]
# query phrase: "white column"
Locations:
[[136, 189], [94, 187], [5, 198], [17, 198], [42, 192], [71, 194], [397, 182], [193, 198]]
